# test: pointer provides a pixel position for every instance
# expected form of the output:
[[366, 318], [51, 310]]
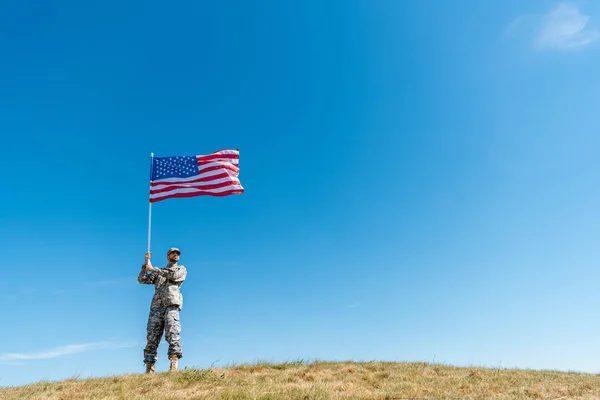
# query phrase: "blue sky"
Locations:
[[421, 182]]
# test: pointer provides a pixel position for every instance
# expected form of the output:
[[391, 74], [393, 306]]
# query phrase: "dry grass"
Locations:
[[323, 380]]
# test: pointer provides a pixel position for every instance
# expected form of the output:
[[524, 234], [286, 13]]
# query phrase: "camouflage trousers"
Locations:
[[162, 319]]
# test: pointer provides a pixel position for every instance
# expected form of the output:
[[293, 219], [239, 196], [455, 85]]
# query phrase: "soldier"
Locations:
[[165, 307]]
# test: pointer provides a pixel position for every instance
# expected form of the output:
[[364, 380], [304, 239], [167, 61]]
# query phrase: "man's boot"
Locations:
[[149, 367], [174, 360]]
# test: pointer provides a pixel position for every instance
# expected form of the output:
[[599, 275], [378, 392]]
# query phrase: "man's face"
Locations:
[[174, 256]]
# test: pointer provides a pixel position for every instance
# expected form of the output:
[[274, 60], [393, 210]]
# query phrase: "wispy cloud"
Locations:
[[566, 28], [24, 291], [563, 28], [15, 363], [15, 358]]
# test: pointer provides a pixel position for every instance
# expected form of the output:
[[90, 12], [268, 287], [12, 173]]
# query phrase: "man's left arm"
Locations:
[[175, 273]]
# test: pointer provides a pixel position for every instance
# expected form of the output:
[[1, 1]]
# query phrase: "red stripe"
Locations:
[[217, 156], [219, 160], [203, 179], [217, 167], [181, 195], [186, 186]]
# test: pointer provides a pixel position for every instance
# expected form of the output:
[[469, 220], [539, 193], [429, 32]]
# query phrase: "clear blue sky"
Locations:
[[421, 182]]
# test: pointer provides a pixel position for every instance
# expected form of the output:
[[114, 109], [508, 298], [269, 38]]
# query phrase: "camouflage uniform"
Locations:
[[164, 309]]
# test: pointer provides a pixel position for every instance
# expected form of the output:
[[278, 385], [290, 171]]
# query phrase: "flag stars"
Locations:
[[175, 167]]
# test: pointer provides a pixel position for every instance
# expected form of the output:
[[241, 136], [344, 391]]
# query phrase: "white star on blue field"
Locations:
[[169, 167]]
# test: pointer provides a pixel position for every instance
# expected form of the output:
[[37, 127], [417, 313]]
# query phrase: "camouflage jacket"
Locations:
[[167, 282]]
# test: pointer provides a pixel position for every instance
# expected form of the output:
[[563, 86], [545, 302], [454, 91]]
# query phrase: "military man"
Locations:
[[164, 309]]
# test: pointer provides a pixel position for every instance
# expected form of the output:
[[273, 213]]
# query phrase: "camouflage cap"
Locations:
[[173, 249]]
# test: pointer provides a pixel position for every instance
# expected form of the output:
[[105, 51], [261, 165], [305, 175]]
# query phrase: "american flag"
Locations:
[[215, 174]]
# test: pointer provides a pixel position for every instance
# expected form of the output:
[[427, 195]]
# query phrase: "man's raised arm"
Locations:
[[175, 273], [143, 277]]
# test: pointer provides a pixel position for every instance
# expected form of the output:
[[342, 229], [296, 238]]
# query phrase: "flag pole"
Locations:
[[149, 202]]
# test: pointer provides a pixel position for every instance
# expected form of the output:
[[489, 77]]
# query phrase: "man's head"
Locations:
[[173, 254]]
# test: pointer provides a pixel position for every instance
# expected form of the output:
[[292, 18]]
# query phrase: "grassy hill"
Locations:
[[323, 380]]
